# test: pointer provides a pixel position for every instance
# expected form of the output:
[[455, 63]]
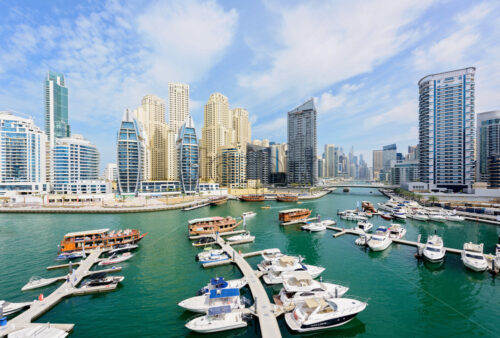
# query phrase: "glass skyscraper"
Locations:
[[56, 107], [188, 157], [302, 145], [488, 141], [447, 129], [130, 153], [22, 154]]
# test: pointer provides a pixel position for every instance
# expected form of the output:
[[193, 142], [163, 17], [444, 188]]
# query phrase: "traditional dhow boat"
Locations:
[[293, 215], [211, 225], [287, 198], [252, 198], [102, 238], [217, 200]]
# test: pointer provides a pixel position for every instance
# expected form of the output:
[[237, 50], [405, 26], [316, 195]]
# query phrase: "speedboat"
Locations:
[[318, 314], [70, 255], [220, 283], [397, 231], [36, 282], [42, 330], [101, 279], [248, 214], [207, 240], [270, 254], [10, 308], [218, 318], [123, 248], [386, 216], [473, 257], [362, 240], [399, 214], [434, 249], [436, 217], [276, 275], [215, 297], [420, 216], [116, 259], [365, 226], [286, 298], [452, 217], [314, 226], [242, 237], [212, 256], [380, 240]]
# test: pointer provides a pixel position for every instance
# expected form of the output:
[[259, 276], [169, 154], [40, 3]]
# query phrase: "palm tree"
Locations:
[[433, 199]]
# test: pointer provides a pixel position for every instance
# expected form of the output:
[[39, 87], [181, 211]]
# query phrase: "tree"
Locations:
[[433, 199]]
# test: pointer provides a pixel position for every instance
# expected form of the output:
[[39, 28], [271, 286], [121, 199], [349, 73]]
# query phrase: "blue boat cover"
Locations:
[[218, 283], [381, 229], [217, 310], [222, 293]]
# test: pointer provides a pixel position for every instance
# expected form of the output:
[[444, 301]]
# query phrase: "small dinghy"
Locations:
[[219, 318], [10, 308], [116, 259], [70, 255], [215, 297], [220, 283], [123, 248], [243, 237], [362, 240]]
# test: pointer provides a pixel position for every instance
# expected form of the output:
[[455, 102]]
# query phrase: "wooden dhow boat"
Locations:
[[287, 198], [101, 238], [252, 198], [293, 214], [211, 225], [217, 200]]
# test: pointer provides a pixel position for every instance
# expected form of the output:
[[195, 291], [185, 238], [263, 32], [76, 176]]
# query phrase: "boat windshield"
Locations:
[[474, 256], [432, 249]]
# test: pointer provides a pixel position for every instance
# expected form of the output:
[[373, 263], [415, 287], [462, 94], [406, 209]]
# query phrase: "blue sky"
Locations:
[[361, 60]]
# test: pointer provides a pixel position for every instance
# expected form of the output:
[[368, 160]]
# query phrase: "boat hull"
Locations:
[[326, 324], [380, 247], [213, 327]]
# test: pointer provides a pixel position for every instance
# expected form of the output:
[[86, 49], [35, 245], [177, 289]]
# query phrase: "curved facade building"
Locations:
[[447, 129], [188, 158], [130, 153]]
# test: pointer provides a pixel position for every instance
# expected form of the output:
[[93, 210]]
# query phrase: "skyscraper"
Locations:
[[488, 141], [378, 163], [188, 157], [130, 153], [258, 163], [389, 157], [178, 105], [22, 154], [447, 129], [302, 145], [231, 167], [56, 107], [242, 129], [111, 172], [330, 160]]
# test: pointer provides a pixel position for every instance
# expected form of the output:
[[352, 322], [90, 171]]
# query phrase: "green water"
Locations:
[[406, 297]]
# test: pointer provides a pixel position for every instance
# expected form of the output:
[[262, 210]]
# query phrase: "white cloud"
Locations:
[[271, 129], [325, 42], [327, 102], [405, 112]]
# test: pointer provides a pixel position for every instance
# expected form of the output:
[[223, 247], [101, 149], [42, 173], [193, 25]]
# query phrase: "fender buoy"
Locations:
[[40, 297], [239, 251]]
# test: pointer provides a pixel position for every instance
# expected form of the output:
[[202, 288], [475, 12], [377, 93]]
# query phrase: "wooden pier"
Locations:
[[67, 289]]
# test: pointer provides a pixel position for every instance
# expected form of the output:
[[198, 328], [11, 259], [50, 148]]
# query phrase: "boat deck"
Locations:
[[235, 232], [300, 221]]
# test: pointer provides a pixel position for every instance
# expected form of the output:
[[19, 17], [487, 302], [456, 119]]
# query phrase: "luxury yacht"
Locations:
[[277, 273], [380, 240], [397, 231], [419, 215], [280, 261], [215, 297], [317, 314], [473, 257], [437, 217], [219, 318], [220, 283], [434, 249], [365, 226], [270, 254]]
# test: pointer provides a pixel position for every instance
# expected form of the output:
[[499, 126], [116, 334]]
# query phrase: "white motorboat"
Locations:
[[277, 276], [397, 231], [316, 226], [473, 257], [36, 282], [282, 262], [362, 240], [211, 256], [497, 256], [436, 217], [318, 314], [10, 308], [123, 248], [400, 214], [286, 298], [42, 330], [301, 281], [101, 280], [434, 249], [270, 254], [241, 237], [248, 214], [71, 255], [219, 318], [420, 216], [380, 240], [306, 226], [215, 297], [365, 226], [116, 259], [220, 283], [453, 217]]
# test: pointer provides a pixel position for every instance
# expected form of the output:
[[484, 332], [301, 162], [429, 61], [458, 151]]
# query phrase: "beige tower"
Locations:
[[242, 129], [217, 132], [178, 105]]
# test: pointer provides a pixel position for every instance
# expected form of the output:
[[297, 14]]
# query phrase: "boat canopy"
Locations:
[[286, 259], [217, 310], [313, 303], [207, 219], [223, 293], [86, 233], [381, 229], [219, 283], [299, 275]]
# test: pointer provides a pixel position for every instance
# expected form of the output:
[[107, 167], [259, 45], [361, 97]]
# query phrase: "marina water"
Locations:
[[406, 297]]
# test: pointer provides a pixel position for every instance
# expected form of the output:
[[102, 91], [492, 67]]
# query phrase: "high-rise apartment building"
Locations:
[[257, 163], [22, 154], [111, 172], [302, 145], [378, 163], [231, 167], [278, 158], [412, 153], [447, 129], [56, 107], [178, 105], [130, 154], [242, 129], [488, 142], [389, 157], [75, 161], [188, 157], [331, 160]]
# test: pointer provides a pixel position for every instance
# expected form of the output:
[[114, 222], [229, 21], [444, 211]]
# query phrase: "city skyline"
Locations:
[[373, 90]]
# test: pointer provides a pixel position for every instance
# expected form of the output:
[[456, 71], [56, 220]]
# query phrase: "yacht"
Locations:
[[270, 254], [248, 214], [123, 248], [242, 237], [10, 308], [113, 259], [100, 279], [497, 256], [420, 216], [453, 217], [365, 226], [218, 318], [397, 231], [399, 213], [277, 272], [220, 283], [215, 297], [282, 260], [211, 256], [286, 298], [437, 217], [318, 314], [380, 240], [434, 249], [473, 257]]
